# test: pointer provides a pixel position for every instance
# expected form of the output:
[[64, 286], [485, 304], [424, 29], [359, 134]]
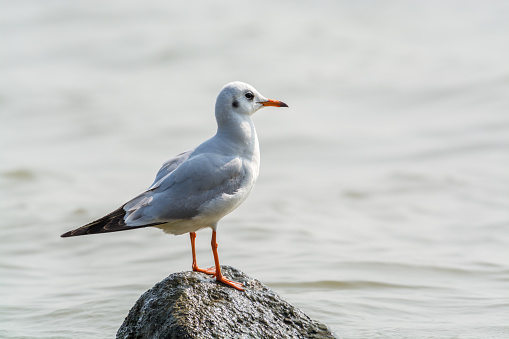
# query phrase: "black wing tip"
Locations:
[[73, 233], [66, 234], [100, 225], [113, 222]]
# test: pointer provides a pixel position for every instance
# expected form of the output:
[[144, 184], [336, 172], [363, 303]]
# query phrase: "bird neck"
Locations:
[[239, 131]]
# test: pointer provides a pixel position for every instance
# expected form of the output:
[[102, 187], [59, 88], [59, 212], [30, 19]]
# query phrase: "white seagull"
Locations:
[[195, 189]]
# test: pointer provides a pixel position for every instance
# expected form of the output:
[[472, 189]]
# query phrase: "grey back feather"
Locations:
[[183, 186]]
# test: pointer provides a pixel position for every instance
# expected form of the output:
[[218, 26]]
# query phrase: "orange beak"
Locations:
[[271, 102]]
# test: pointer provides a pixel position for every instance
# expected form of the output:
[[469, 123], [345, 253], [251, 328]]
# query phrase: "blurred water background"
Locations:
[[382, 207]]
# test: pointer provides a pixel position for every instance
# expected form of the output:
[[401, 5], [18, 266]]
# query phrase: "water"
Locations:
[[382, 207]]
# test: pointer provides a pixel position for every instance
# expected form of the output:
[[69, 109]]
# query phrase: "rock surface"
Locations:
[[194, 305]]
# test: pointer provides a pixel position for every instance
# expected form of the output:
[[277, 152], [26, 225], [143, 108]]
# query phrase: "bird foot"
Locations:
[[228, 282], [210, 270]]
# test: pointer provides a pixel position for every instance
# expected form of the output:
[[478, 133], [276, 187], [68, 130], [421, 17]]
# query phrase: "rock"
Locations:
[[194, 305]]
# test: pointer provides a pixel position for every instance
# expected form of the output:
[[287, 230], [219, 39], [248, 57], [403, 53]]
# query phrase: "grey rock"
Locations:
[[194, 305]]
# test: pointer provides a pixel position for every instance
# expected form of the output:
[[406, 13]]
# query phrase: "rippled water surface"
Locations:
[[382, 207]]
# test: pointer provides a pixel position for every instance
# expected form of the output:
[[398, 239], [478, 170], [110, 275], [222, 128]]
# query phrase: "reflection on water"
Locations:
[[382, 203]]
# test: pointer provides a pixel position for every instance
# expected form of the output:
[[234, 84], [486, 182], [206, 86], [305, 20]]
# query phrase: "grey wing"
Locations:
[[181, 193], [169, 166]]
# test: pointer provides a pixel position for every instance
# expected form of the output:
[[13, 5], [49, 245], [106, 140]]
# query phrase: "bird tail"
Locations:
[[113, 222]]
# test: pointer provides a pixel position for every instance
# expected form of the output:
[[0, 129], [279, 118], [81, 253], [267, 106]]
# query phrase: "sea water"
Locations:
[[382, 206]]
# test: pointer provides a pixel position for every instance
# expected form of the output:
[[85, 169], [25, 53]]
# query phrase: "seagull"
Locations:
[[196, 188]]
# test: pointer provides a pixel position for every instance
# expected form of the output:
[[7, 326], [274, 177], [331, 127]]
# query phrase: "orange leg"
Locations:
[[219, 276], [211, 271]]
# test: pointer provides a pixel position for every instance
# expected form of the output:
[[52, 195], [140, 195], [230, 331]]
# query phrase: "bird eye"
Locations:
[[249, 95]]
